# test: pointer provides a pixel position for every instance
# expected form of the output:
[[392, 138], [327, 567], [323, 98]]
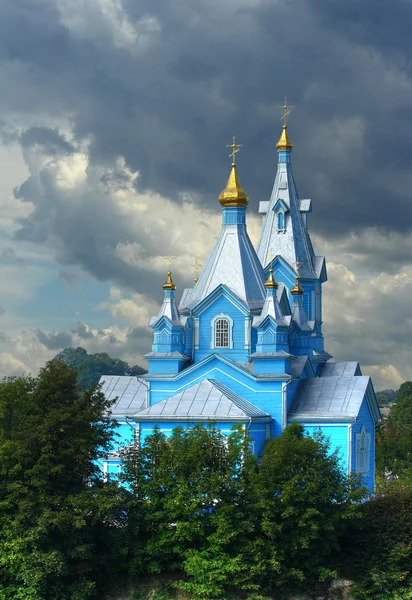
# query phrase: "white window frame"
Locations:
[[363, 451], [213, 324]]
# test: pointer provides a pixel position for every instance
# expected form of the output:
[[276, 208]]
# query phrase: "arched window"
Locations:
[[363, 446], [281, 221], [222, 333]]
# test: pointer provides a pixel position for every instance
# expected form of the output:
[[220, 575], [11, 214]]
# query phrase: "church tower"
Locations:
[[285, 241]]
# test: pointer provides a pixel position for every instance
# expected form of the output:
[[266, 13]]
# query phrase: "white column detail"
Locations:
[[196, 323], [248, 333]]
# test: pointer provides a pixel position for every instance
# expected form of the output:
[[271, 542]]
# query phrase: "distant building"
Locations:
[[245, 344]]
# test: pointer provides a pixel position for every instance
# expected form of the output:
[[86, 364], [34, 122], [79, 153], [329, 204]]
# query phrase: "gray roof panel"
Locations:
[[209, 399], [329, 398], [129, 391], [340, 369]]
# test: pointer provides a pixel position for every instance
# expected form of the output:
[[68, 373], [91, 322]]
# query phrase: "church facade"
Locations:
[[245, 345]]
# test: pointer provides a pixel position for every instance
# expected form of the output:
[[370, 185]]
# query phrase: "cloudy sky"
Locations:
[[114, 115]]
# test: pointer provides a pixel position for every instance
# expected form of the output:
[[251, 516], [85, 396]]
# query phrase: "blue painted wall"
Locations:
[[266, 395], [222, 306], [338, 436], [365, 418]]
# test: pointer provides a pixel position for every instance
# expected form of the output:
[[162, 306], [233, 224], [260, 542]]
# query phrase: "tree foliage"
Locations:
[[394, 449], [377, 547], [91, 367], [385, 397], [59, 526], [209, 510]]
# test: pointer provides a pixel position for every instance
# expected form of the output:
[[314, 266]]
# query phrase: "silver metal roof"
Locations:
[[174, 354], [293, 244], [168, 310], [129, 391], [340, 369], [271, 308], [329, 398], [208, 399], [234, 263]]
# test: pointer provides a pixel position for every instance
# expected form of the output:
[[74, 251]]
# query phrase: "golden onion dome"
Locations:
[[297, 288], [169, 285], [233, 195], [284, 142], [270, 283]]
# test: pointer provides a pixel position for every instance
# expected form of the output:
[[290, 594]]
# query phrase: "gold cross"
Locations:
[[235, 149], [271, 257], [286, 111], [196, 266], [298, 265], [169, 259]]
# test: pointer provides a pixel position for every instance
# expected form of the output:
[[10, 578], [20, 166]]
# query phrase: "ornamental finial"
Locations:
[[169, 285], [270, 283], [233, 195], [297, 288], [284, 142]]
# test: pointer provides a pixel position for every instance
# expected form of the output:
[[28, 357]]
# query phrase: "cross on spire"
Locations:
[[298, 265], [235, 149], [196, 266], [169, 259], [286, 111]]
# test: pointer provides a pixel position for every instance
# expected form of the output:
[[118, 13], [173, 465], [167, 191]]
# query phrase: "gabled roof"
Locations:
[[234, 263], [129, 391], [207, 400], [329, 398], [340, 369]]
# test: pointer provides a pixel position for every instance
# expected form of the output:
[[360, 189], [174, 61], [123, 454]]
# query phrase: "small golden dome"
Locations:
[[233, 195], [270, 283], [169, 285], [297, 288], [284, 142]]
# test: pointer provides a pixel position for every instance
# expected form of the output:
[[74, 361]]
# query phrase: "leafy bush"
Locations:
[[377, 548]]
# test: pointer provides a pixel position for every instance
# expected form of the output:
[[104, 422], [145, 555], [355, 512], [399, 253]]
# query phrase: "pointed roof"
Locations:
[[271, 308], [208, 399], [233, 261], [294, 243], [168, 308]]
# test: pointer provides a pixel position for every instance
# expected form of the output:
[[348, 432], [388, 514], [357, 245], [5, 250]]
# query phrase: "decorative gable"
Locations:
[[280, 206]]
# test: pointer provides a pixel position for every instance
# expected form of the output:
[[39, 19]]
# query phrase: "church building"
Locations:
[[245, 345]]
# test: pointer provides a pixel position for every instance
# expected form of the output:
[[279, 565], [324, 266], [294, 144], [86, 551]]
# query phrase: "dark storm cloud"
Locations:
[[198, 72], [54, 341]]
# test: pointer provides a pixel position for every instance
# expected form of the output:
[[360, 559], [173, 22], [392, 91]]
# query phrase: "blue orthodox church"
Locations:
[[245, 344]]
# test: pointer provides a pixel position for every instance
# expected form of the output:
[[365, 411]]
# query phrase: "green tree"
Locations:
[[394, 448], [92, 366], [304, 499], [190, 491], [385, 397], [60, 526], [377, 547]]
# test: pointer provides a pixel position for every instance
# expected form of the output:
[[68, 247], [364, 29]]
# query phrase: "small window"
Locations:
[[363, 445], [222, 333], [281, 221]]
